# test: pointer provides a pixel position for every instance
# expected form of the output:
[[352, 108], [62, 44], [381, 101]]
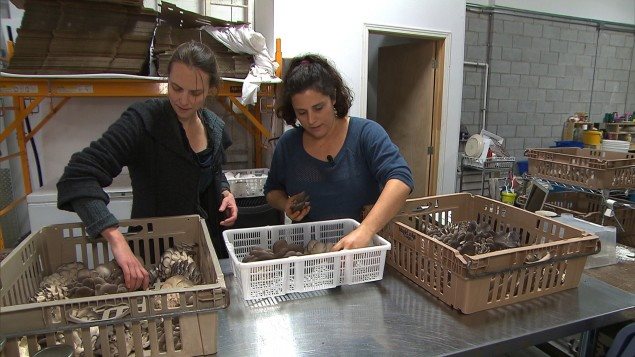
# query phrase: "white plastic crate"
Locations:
[[247, 183], [303, 273], [489, 163]]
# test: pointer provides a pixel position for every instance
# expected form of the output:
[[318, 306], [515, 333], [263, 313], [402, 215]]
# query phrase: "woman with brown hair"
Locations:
[[174, 149], [341, 163]]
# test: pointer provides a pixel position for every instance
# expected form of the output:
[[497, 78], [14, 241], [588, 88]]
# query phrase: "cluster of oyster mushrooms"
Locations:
[[177, 261], [74, 280], [177, 268], [282, 249], [471, 238]]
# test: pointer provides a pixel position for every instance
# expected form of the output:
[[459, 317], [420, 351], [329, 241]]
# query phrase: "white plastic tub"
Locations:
[[608, 240], [302, 273], [247, 183]]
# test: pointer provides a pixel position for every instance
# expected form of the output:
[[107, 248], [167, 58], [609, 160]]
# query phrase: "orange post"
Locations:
[[24, 159], [10, 50], [279, 57]]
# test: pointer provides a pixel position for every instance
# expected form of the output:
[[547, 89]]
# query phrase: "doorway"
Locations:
[[404, 93]]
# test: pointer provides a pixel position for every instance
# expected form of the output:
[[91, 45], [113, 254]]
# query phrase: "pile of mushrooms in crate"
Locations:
[[282, 249], [471, 238], [177, 268]]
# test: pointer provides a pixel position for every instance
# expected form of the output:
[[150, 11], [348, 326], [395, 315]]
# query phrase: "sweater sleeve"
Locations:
[[383, 156], [93, 168], [95, 214]]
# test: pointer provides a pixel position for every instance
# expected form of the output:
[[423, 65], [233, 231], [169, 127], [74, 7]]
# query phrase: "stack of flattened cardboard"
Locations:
[[178, 26], [74, 36], [38, 22]]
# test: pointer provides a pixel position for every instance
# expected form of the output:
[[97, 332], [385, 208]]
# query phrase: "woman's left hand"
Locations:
[[230, 208], [361, 237]]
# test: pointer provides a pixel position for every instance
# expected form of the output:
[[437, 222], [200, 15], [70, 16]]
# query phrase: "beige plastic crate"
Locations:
[[588, 206], [594, 169], [480, 282], [42, 252]]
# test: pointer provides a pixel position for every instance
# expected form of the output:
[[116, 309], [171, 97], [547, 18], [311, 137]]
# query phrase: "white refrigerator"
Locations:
[[43, 211]]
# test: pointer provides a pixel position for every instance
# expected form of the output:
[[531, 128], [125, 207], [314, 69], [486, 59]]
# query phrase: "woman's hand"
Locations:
[[390, 201], [297, 206], [134, 273], [230, 208], [361, 237]]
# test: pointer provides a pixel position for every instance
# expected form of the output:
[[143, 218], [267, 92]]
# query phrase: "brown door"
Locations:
[[405, 96]]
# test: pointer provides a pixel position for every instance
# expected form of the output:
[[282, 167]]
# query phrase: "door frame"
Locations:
[[441, 91]]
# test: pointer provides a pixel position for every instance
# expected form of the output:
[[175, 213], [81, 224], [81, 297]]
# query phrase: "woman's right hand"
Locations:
[[290, 208], [134, 273]]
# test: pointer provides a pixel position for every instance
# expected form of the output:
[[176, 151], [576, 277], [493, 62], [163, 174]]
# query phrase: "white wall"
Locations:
[[263, 23], [12, 20], [336, 29], [620, 11], [79, 121]]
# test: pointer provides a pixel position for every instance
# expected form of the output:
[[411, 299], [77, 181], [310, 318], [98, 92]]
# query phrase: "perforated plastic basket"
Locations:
[[594, 169], [247, 183], [40, 254], [303, 273], [489, 163]]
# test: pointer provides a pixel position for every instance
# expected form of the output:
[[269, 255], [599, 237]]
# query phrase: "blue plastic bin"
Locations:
[[569, 144], [522, 166]]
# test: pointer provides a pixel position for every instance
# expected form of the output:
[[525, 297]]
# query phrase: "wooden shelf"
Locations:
[[107, 87], [616, 127], [621, 132]]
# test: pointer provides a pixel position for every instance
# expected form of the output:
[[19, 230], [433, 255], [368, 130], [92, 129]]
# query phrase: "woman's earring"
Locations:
[[335, 110]]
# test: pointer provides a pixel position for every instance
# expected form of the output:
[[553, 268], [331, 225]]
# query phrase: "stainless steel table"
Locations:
[[394, 316]]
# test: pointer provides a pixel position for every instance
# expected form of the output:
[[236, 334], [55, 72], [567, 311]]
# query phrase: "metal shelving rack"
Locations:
[[581, 170], [609, 201], [504, 165]]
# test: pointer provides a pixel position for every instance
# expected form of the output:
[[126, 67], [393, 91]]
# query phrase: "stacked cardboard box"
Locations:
[[168, 37], [73, 36], [178, 26], [112, 36]]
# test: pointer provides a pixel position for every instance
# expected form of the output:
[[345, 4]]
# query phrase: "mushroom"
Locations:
[[309, 246], [176, 281], [318, 248], [300, 202], [173, 256], [280, 246], [189, 270], [296, 247], [51, 293]]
